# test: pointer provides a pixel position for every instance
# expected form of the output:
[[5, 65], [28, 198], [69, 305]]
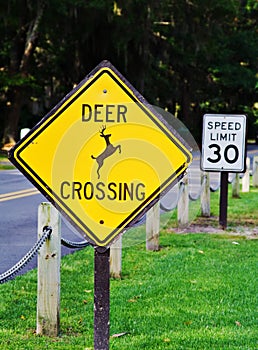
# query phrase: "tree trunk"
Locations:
[[11, 126], [21, 68]]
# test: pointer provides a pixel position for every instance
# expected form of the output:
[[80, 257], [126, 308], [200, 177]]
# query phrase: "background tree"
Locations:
[[19, 40], [190, 57]]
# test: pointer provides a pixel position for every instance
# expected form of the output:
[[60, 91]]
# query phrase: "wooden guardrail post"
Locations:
[[255, 171], [236, 186], [152, 227], [246, 177], [116, 258], [205, 195], [48, 302], [183, 204]]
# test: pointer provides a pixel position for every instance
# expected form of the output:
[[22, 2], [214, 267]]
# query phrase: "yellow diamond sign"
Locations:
[[102, 156]]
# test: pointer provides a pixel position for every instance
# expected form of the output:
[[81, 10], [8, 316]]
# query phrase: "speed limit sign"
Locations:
[[223, 142]]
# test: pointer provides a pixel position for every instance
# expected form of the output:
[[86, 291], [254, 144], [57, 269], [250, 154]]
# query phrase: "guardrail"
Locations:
[[48, 248], [46, 233], [9, 274], [184, 196], [49, 243]]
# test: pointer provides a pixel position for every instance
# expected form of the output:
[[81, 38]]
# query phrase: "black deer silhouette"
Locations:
[[110, 149]]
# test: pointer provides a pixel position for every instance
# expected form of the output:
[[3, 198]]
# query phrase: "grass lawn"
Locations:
[[199, 291], [4, 163]]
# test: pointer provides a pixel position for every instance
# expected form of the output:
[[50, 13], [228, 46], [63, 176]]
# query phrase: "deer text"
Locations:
[[121, 191], [104, 113]]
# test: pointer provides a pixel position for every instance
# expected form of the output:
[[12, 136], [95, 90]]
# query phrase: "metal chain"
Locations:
[[73, 245], [215, 189], [4, 277], [198, 195], [162, 206], [191, 197]]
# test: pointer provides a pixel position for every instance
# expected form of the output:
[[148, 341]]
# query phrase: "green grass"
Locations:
[[241, 211], [4, 163], [198, 292]]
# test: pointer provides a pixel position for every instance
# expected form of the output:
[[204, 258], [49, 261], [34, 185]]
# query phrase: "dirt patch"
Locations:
[[211, 225]]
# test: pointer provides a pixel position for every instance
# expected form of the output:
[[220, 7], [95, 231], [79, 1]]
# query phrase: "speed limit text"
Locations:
[[229, 127]]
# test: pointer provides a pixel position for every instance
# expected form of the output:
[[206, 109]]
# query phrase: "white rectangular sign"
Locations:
[[223, 142]]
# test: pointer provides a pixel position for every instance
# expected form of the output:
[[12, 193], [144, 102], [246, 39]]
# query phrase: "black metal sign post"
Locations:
[[101, 298], [223, 199]]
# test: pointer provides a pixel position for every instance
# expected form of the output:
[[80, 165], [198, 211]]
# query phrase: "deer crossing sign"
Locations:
[[102, 156]]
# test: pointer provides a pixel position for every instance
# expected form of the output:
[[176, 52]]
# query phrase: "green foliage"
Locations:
[[191, 57], [8, 83]]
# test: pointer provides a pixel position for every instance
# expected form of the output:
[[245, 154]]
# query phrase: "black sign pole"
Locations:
[[101, 298], [223, 199]]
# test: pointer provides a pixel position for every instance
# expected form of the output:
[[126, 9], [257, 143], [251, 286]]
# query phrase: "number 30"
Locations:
[[217, 153]]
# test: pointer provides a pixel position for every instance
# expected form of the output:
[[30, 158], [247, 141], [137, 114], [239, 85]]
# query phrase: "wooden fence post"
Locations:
[[116, 258], [205, 195], [236, 186], [48, 302], [152, 228], [246, 177], [183, 204], [255, 171]]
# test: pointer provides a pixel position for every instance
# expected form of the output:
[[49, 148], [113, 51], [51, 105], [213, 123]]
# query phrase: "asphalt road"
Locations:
[[19, 202]]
